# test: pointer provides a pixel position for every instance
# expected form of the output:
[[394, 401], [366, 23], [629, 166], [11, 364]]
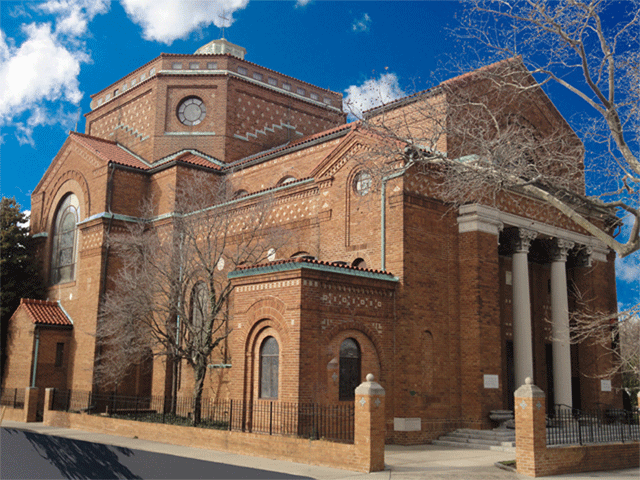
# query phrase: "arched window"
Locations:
[[302, 254], [200, 310], [359, 263], [349, 369], [269, 363], [285, 180], [362, 183], [240, 193], [63, 253]]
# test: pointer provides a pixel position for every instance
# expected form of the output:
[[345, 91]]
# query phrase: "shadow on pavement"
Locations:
[[28, 455], [32, 455]]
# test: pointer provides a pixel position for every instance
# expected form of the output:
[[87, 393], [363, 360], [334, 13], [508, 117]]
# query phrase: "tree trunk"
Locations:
[[199, 372], [174, 386]]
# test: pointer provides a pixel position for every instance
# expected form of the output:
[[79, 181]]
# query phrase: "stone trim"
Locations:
[[481, 218]]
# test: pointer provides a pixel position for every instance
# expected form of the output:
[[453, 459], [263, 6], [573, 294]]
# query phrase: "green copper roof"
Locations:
[[288, 265]]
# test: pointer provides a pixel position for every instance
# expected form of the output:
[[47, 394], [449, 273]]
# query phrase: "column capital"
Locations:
[[584, 256], [522, 239], [559, 249]]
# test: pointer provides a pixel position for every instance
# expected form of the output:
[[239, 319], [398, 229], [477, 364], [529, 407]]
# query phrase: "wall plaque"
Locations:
[[491, 381], [407, 424]]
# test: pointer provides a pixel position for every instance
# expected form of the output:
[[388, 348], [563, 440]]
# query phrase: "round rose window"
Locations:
[[191, 111]]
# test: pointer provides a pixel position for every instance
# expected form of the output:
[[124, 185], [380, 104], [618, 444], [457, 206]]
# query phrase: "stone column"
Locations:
[[370, 425], [522, 341], [561, 345]]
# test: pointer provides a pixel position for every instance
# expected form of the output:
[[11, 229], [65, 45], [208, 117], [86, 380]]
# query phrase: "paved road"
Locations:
[[29, 455], [90, 452]]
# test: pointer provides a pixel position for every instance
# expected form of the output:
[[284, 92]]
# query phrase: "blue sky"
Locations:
[[55, 53]]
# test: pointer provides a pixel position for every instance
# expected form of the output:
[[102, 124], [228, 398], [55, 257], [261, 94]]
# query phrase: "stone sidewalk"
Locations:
[[402, 463]]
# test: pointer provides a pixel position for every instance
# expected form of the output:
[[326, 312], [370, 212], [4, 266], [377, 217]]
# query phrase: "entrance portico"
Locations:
[[526, 241]]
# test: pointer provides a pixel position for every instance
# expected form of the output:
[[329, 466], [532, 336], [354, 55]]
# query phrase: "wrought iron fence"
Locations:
[[308, 420], [12, 397], [567, 426]]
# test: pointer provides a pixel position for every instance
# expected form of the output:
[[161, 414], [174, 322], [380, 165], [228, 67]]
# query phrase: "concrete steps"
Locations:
[[498, 439]]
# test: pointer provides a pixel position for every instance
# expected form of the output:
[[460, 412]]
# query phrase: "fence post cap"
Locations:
[[369, 387], [529, 390]]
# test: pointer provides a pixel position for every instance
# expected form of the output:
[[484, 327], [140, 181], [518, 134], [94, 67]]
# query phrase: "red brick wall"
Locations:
[[366, 454], [535, 459], [144, 118], [20, 348]]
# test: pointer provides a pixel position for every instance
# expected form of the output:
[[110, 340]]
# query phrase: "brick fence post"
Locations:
[[531, 429], [30, 404], [369, 425], [48, 404]]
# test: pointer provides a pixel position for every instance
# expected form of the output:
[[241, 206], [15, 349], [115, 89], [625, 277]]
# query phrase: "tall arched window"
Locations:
[[269, 363], [63, 254], [349, 369], [200, 311]]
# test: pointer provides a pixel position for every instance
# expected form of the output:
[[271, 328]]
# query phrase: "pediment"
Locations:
[[355, 144], [71, 149]]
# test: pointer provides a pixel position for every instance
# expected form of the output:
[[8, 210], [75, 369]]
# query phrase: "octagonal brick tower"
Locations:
[[213, 101]]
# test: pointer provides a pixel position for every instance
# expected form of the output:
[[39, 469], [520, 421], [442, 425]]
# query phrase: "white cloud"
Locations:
[[628, 268], [167, 20], [41, 68], [628, 271], [371, 93], [302, 3], [363, 24], [44, 69], [27, 223], [18, 11], [74, 15]]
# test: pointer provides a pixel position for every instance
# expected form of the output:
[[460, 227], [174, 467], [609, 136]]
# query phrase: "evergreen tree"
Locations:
[[19, 273]]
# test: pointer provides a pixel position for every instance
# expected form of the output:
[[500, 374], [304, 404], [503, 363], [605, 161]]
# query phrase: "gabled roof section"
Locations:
[[44, 312], [293, 146], [190, 156], [113, 152], [336, 158], [514, 63], [296, 263], [109, 151]]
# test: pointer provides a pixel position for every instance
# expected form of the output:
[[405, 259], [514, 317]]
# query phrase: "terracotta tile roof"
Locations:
[[108, 151], [190, 157], [44, 312], [313, 262]]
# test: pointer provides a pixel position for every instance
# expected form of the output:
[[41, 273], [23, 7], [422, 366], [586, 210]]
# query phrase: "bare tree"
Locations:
[[478, 135], [617, 335], [491, 136], [170, 296]]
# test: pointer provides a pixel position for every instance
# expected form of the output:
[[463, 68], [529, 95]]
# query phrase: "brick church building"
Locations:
[[449, 308]]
